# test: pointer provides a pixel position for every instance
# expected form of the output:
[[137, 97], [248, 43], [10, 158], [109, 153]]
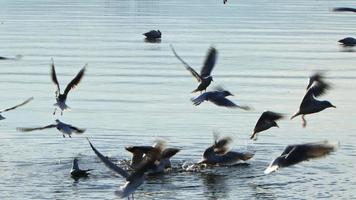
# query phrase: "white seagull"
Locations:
[[61, 98], [66, 129], [14, 107]]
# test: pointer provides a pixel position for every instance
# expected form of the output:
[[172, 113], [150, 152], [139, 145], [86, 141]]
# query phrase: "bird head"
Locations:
[[327, 104], [227, 93]]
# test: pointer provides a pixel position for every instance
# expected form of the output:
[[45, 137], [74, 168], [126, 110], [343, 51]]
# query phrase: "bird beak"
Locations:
[[333, 106]]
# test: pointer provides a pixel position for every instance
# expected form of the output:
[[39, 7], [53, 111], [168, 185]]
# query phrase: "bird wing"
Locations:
[[54, 78], [319, 150], [187, 66], [222, 101], [34, 129], [209, 62], [75, 81], [271, 116], [169, 152], [201, 98], [108, 163], [343, 9], [21, 104], [317, 89], [318, 76], [77, 130]]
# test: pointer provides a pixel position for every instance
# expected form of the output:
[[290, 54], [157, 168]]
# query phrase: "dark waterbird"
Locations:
[[62, 98], [76, 172], [294, 154], [348, 42], [310, 104], [14, 107], [153, 35], [204, 78], [60, 126], [219, 153], [134, 179], [267, 120], [18, 57], [344, 9], [218, 97]]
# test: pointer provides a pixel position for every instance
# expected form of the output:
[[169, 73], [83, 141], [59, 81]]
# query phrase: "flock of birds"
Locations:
[[153, 159]]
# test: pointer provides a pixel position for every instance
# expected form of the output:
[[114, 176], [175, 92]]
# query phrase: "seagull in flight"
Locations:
[[61, 98], [134, 179], [309, 103], [294, 154], [204, 78], [267, 120], [14, 107], [218, 97], [65, 129], [76, 172]]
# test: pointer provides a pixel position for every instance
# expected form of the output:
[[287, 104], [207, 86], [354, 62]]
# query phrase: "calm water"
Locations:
[[135, 92]]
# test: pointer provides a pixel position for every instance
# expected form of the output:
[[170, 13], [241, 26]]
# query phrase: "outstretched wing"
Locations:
[[317, 89], [21, 104], [201, 98], [77, 130], [75, 81], [54, 78], [108, 163], [317, 77], [344, 9], [209, 62], [189, 68], [270, 116], [34, 129]]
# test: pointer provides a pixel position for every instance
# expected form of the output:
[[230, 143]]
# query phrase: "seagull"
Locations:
[[14, 107], [140, 154], [348, 42], [218, 97], [344, 9], [61, 98], [76, 172], [153, 35], [133, 180], [62, 127], [218, 153], [310, 104], [204, 78], [267, 120], [294, 154]]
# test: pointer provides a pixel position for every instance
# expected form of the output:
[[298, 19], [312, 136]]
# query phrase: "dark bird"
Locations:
[[62, 127], [204, 78], [153, 34], [76, 172], [310, 104], [224, 1], [18, 57], [61, 98], [133, 180], [294, 154], [267, 120], [344, 9], [218, 97], [14, 107], [219, 153], [348, 42]]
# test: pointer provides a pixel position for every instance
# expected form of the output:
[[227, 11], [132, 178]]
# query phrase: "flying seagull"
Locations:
[[348, 42], [204, 78], [62, 127], [267, 120], [218, 97], [310, 104], [61, 98], [153, 35], [14, 107], [76, 172], [344, 9], [294, 154], [219, 153], [133, 180]]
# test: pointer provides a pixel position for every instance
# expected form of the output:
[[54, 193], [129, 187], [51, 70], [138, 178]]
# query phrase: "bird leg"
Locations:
[[304, 121], [63, 136], [54, 112]]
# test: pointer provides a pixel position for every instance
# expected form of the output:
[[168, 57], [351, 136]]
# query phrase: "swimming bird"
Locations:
[[76, 172], [61, 98], [218, 97], [348, 42], [133, 180], [153, 34], [267, 120], [66, 129], [204, 78], [310, 104], [14, 107], [294, 154], [344, 9], [219, 153]]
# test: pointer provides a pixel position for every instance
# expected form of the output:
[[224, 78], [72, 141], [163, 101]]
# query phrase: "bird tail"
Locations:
[[296, 114]]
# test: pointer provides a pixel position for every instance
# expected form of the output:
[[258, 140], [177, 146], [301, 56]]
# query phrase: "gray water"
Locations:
[[135, 92]]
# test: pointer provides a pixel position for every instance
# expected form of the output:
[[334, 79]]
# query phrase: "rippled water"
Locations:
[[135, 92]]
